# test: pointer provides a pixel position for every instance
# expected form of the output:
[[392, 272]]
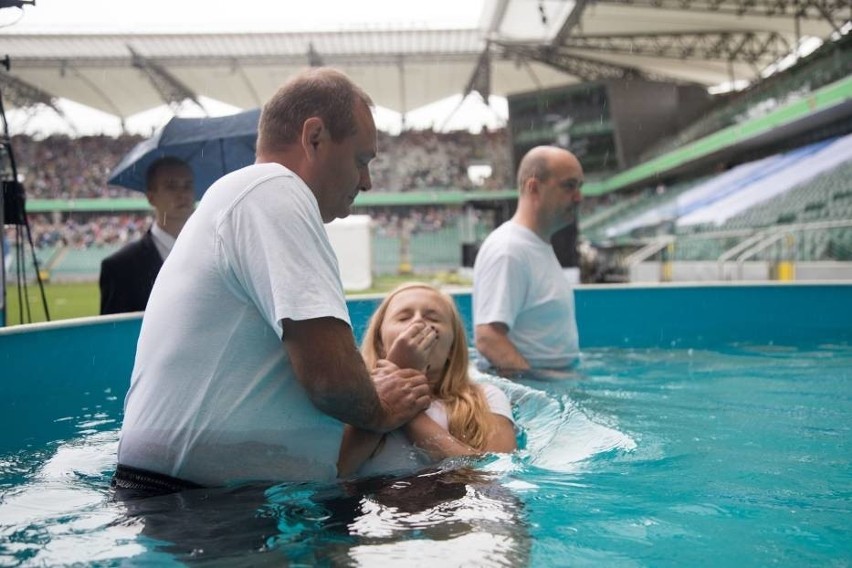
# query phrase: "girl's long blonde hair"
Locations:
[[468, 413]]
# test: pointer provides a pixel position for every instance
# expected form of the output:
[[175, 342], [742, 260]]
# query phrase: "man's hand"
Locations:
[[327, 364], [410, 350], [403, 394]]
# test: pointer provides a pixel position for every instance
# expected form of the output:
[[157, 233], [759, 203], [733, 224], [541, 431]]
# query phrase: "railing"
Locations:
[[730, 263], [649, 250], [737, 249], [772, 237]]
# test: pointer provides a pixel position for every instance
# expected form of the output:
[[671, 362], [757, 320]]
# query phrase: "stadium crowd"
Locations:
[[59, 167], [63, 168], [423, 159], [393, 221], [82, 231]]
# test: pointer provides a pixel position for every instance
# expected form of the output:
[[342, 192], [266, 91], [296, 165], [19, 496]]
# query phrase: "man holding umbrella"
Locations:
[[128, 275], [246, 366]]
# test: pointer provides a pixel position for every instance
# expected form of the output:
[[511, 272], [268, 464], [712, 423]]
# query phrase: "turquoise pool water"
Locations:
[[737, 455]]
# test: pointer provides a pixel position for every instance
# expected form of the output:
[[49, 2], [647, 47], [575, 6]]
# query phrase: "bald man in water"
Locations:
[[523, 306]]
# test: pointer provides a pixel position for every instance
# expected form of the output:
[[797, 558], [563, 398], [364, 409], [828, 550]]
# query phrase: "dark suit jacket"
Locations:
[[128, 275]]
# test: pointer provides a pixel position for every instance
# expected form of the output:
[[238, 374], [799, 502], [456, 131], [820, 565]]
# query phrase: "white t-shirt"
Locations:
[[517, 280], [213, 396], [398, 455]]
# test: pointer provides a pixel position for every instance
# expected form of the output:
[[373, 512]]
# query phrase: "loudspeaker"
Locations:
[[468, 252], [13, 203]]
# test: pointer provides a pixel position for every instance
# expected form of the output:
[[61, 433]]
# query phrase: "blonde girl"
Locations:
[[418, 327]]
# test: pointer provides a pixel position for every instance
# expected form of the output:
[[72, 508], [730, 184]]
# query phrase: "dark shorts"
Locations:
[[132, 482]]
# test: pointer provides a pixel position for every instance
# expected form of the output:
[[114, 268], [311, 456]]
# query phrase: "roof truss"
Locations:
[[585, 68], [831, 10], [22, 94], [748, 46], [171, 89], [519, 45]]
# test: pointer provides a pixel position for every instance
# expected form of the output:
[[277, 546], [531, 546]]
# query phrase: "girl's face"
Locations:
[[424, 305]]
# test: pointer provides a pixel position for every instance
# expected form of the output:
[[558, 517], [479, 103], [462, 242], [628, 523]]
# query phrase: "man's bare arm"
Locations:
[[332, 372], [492, 341], [356, 447]]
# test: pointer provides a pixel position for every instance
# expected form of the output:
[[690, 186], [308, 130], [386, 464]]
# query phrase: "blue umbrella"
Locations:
[[212, 147]]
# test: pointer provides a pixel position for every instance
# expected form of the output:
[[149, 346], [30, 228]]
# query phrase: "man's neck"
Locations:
[[172, 227], [528, 220]]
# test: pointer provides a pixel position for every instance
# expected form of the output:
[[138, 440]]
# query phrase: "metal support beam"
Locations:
[[746, 46], [21, 94], [314, 58], [581, 67], [403, 98], [480, 81], [832, 10], [570, 23], [497, 16], [833, 19], [171, 90], [237, 68], [95, 89]]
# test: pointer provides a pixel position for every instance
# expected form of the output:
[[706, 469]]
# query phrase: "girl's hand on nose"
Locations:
[[411, 348]]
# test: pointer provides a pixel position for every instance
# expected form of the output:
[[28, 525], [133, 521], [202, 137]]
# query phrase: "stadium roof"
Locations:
[[519, 45]]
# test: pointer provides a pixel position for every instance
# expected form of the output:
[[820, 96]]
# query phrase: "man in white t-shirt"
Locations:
[[246, 366], [523, 306]]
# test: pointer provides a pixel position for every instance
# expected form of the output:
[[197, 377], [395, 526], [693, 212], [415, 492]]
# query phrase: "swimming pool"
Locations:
[[699, 429]]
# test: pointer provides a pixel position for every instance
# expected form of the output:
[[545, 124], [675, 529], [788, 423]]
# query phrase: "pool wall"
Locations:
[[693, 316], [42, 366]]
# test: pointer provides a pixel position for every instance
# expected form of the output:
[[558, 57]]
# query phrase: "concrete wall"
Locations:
[[809, 271], [756, 271]]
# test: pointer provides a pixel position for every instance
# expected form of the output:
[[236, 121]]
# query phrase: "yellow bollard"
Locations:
[[666, 263], [785, 271]]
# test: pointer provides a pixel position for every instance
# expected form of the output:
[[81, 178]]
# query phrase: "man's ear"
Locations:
[[313, 131], [531, 186]]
